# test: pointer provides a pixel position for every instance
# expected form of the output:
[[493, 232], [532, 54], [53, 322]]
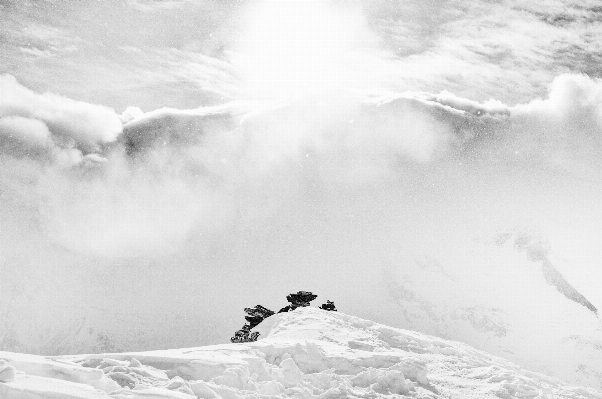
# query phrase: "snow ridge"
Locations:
[[538, 249], [553, 277], [308, 353]]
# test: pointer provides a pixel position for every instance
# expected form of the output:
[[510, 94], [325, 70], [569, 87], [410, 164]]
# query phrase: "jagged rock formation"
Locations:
[[300, 299], [244, 335], [257, 314], [329, 305]]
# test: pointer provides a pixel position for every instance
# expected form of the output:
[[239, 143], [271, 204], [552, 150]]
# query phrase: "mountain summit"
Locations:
[[307, 353]]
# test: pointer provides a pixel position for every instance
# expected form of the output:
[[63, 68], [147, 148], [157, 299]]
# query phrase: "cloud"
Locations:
[[21, 135], [210, 153], [30, 138], [571, 96], [85, 125], [565, 129], [484, 49], [173, 127], [156, 5]]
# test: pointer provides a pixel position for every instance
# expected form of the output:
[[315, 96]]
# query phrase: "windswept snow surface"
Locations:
[[308, 353]]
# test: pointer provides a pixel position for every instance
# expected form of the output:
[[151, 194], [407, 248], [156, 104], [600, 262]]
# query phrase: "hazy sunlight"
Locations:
[[295, 47]]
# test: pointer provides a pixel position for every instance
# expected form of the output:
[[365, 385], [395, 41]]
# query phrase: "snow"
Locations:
[[307, 353], [33, 387], [497, 295], [51, 368]]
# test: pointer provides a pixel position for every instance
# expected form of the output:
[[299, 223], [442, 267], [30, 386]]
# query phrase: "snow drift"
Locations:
[[307, 353]]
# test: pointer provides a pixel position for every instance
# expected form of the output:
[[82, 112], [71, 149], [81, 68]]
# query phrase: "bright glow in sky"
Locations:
[[299, 47]]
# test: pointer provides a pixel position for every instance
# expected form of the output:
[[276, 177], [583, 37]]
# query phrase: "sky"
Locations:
[[184, 54], [176, 161]]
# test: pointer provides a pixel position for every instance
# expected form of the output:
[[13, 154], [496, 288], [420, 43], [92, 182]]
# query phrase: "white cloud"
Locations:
[[36, 52], [85, 124], [25, 137], [30, 132], [156, 5], [566, 127], [199, 155], [483, 49], [570, 96]]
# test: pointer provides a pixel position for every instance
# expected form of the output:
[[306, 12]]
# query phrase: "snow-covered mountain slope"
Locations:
[[506, 296], [308, 353], [496, 295]]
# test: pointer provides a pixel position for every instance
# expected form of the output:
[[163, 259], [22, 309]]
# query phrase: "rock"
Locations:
[[301, 298], [7, 372], [329, 305]]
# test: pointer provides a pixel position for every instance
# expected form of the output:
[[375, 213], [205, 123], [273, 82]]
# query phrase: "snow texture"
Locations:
[[308, 353]]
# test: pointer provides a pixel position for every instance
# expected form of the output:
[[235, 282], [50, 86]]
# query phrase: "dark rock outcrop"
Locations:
[[257, 314], [329, 305]]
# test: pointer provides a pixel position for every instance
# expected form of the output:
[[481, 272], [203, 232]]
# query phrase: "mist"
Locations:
[[189, 216]]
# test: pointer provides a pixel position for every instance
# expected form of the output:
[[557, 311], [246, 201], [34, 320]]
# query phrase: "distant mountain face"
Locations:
[[537, 251], [506, 297]]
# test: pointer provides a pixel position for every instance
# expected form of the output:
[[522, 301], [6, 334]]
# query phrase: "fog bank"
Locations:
[[189, 216]]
